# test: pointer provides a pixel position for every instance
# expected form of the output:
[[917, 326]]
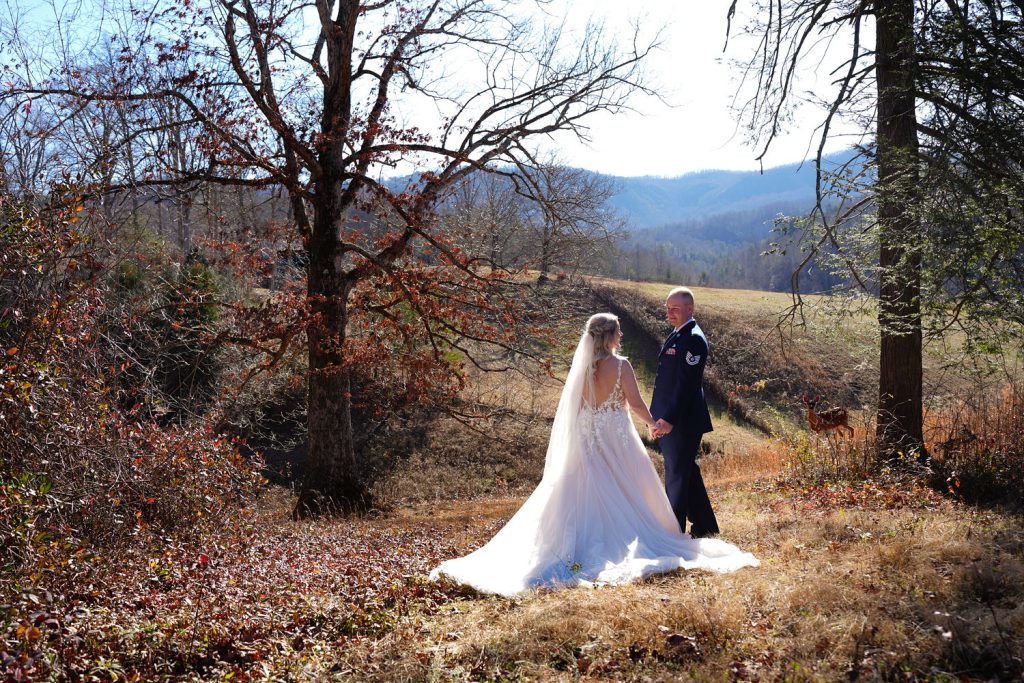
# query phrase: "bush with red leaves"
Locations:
[[78, 464]]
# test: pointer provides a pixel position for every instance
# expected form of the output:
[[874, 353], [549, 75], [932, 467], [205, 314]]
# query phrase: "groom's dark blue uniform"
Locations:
[[679, 400]]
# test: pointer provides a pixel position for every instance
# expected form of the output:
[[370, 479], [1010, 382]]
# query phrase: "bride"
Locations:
[[599, 514]]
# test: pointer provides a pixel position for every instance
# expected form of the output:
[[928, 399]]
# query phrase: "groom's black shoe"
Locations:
[[697, 533]]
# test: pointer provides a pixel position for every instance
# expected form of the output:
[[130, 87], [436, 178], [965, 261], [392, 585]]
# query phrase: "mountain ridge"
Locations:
[[654, 201]]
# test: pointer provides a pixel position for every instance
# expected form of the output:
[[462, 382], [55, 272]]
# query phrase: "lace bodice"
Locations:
[[608, 419]]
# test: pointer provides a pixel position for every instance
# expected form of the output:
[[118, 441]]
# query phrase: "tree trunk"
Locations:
[[899, 426], [332, 481], [545, 256], [184, 219]]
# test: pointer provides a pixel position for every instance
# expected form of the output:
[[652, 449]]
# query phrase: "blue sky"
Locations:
[[690, 127]]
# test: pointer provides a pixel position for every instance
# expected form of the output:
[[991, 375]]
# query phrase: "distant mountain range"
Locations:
[[649, 202], [713, 227]]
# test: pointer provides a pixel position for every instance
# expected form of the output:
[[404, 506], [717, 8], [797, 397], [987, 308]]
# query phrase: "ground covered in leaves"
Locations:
[[865, 581], [874, 578]]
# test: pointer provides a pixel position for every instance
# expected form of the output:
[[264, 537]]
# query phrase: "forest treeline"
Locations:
[[748, 249]]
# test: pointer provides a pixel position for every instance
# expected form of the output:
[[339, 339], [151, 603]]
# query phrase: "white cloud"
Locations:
[[695, 127]]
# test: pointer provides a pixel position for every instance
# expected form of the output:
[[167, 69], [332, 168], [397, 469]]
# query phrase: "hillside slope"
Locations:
[[757, 379]]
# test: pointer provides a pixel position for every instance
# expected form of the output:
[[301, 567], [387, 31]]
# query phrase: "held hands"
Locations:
[[659, 429]]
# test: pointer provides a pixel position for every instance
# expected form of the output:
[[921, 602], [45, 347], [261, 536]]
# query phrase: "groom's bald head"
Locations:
[[679, 306], [682, 292]]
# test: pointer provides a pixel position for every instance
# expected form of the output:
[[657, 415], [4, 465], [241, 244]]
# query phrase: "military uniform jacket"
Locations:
[[679, 385]]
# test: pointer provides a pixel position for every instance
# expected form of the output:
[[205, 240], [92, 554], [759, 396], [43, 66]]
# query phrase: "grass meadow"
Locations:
[[863, 578]]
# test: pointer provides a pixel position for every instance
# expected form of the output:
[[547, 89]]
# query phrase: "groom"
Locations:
[[682, 415]]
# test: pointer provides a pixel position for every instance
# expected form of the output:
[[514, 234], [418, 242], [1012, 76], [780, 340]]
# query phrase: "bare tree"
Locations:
[[913, 76], [322, 99], [25, 147], [574, 220], [489, 219], [560, 220]]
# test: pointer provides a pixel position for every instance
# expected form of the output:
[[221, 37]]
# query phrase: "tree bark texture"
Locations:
[[899, 426], [332, 481]]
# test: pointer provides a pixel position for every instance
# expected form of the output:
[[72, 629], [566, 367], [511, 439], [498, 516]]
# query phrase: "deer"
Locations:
[[823, 421]]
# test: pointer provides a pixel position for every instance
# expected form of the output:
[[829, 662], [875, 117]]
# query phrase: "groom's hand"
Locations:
[[661, 428]]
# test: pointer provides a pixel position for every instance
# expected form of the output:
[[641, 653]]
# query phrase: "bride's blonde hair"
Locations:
[[602, 327]]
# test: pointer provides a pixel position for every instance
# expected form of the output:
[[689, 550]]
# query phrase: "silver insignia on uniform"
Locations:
[[692, 359]]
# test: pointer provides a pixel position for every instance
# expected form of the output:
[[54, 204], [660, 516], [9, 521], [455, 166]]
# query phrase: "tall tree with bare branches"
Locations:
[[561, 221], [943, 130], [324, 99]]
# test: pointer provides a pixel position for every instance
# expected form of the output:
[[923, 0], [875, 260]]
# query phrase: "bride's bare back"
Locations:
[[605, 375]]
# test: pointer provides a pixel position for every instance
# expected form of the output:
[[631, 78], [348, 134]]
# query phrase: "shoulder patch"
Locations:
[[691, 359]]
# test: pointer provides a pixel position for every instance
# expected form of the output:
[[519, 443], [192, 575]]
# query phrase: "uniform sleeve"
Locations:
[[691, 374]]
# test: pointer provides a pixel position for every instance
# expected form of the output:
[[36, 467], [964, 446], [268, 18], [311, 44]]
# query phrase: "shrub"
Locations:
[[82, 459], [161, 319], [977, 446]]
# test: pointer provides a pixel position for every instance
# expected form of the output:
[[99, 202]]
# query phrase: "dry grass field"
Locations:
[[859, 581], [894, 585], [824, 326], [872, 579], [867, 578]]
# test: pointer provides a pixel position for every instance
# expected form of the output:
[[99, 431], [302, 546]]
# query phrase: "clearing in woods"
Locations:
[[861, 579]]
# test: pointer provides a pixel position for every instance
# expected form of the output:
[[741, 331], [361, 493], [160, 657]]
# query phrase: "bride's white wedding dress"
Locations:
[[599, 515]]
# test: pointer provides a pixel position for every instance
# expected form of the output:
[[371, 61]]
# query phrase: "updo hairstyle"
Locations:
[[602, 327]]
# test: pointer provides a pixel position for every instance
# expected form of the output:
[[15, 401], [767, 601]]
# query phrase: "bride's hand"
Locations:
[[662, 427]]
